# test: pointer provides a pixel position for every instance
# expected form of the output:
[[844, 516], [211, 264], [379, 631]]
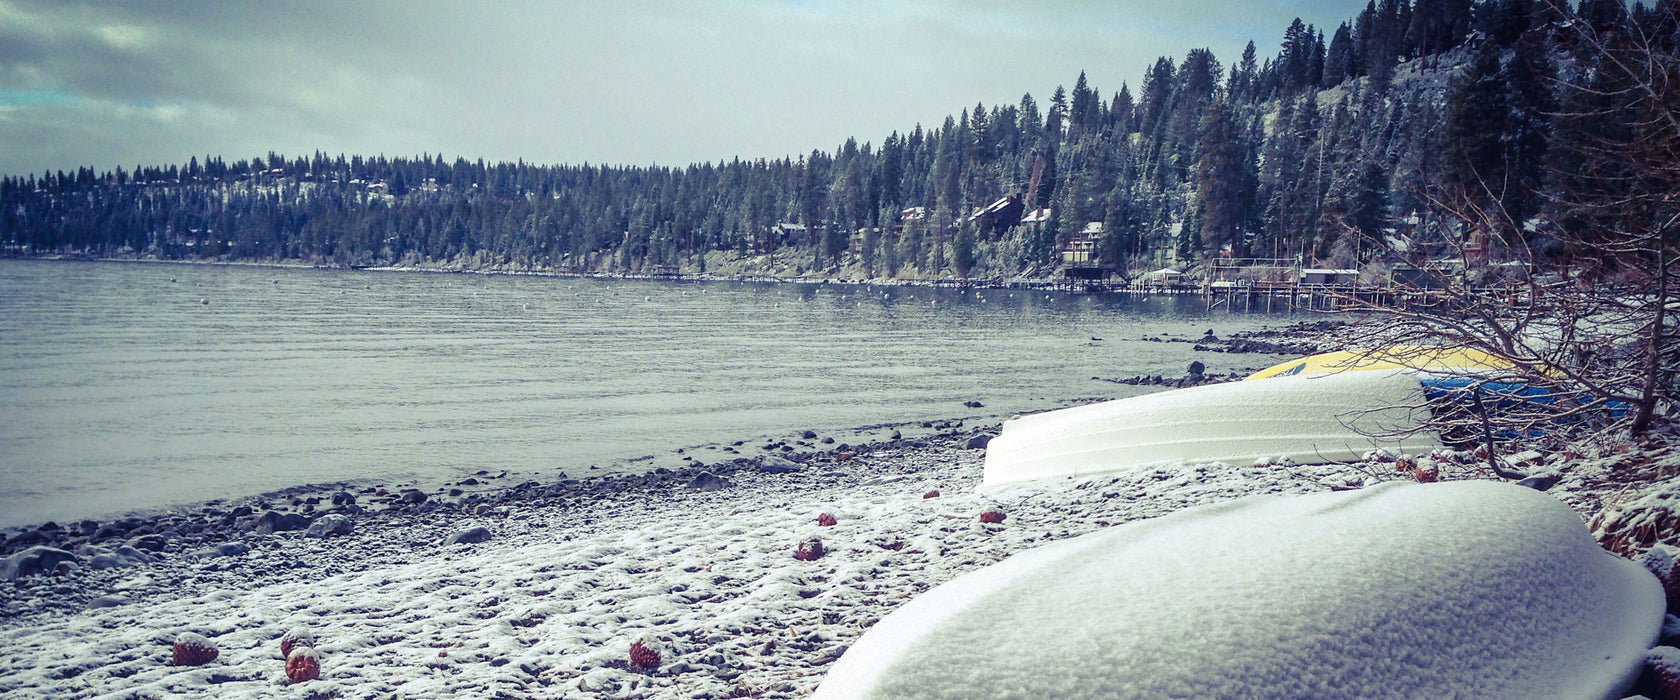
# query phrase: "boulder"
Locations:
[[27, 538], [123, 557], [707, 481], [34, 561], [108, 531], [979, 442], [329, 525], [771, 464], [150, 543], [272, 521], [472, 535]]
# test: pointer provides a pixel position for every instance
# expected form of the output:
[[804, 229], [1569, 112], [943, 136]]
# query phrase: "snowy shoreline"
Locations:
[[571, 576], [549, 605]]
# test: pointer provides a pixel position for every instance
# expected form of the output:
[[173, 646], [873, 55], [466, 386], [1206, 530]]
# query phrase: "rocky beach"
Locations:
[[541, 590]]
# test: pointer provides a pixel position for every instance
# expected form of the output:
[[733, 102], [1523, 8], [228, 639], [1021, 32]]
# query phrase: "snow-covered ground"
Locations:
[[551, 604]]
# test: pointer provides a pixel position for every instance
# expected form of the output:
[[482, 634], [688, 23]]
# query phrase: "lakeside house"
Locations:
[[907, 216], [1036, 219], [1002, 214], [1079, 252], [792, 234], [1164, 277], [1079, 256]]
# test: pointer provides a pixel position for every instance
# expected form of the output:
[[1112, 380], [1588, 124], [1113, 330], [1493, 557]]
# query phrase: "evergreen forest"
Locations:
[[1415, 121]]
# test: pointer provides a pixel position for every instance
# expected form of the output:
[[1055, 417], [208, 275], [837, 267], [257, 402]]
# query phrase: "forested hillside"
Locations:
[[1409, 111]]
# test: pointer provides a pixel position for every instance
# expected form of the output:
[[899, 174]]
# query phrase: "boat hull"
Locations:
[[1310, 420]]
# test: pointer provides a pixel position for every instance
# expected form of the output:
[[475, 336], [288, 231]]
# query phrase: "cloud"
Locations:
[[634, 81]]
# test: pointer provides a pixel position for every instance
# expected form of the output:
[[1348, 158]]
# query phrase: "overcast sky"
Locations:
[[636, 82]]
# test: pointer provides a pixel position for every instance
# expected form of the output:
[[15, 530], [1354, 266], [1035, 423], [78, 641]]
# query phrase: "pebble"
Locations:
[[150, 543], [108, 601], [472, 535], [771, 464], [706, 481], [273, 521], [329, 525], [226, 549]]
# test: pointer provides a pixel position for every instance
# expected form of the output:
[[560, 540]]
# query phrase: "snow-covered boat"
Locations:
[[1308, 419], [1433, 360], [1452, 377], [1463, 589]]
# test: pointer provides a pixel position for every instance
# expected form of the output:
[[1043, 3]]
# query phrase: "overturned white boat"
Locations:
[[1309, 419]]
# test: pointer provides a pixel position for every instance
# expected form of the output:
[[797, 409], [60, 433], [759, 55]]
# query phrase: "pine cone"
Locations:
[[302, 665], [809, 550], [193, 650], [1671, 586], [1662, 673], [298, 637], [644, 656]]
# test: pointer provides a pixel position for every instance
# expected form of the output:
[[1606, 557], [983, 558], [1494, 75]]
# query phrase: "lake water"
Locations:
[[134, 387]]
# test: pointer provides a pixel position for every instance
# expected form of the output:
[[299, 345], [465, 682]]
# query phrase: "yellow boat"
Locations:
[[1416, 357]]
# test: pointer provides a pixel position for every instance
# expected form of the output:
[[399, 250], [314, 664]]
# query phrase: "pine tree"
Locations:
[[1122, 119], [1221, 190], [1338, 58], [1294, 57], [1242, 85], [1493, 142], [813, 193], [1082, 110], [962, 248]]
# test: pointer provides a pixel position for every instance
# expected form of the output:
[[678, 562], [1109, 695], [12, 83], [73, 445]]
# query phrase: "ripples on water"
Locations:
[[127, 385]]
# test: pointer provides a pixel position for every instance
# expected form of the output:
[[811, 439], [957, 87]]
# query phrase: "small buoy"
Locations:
[[205, 301]]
